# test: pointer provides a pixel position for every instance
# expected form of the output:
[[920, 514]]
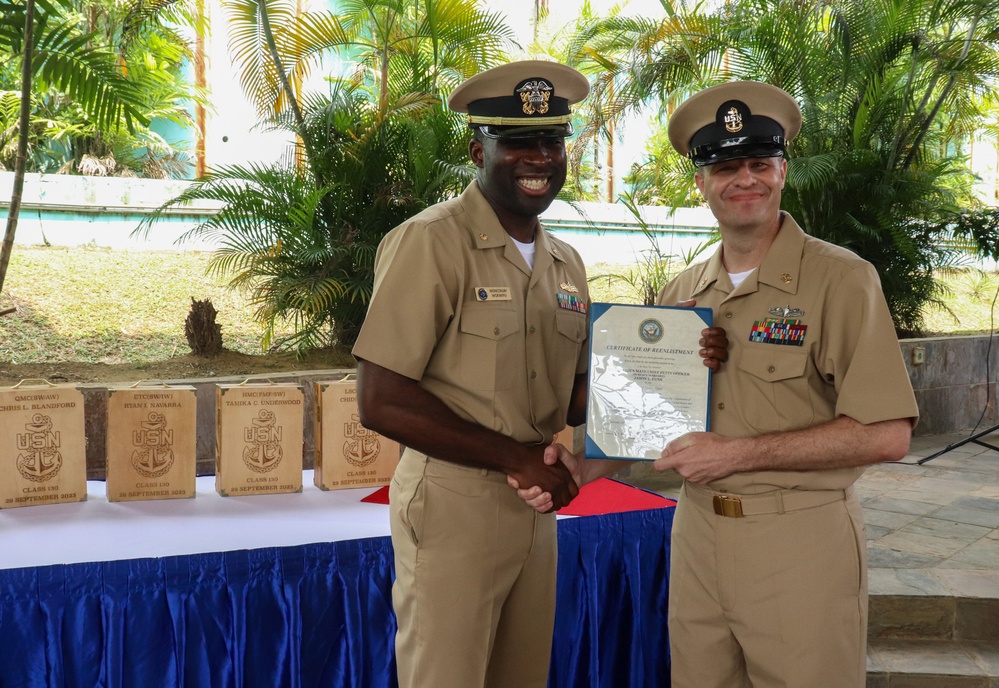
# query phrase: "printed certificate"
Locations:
[[648, 384]]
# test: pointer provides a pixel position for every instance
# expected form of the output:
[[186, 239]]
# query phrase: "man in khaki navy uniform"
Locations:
[[768, 569], [473, 355]]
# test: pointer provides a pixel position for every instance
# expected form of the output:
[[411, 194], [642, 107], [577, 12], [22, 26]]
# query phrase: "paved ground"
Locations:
[[931, 529], [934, 529]]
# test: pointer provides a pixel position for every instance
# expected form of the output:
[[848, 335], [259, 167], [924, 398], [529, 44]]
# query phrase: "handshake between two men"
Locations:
[[696, 456]]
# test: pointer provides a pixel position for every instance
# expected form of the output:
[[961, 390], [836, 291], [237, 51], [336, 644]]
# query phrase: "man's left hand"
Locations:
[[699, 457]]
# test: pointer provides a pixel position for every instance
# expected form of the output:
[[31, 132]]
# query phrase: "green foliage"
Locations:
[[102, 73], [886, 92], [889, 91], [374, 151], [664, 178], [65, 58], [978, 229], [391, 47], [303, 251], [654, 267]]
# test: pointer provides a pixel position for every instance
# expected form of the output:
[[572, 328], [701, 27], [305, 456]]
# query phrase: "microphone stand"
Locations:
[[968, 440]]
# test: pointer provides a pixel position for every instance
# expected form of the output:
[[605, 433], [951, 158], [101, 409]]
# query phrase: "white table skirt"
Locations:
[[98, 530]]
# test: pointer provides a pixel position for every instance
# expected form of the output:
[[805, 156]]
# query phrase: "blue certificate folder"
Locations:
[[647, 382]]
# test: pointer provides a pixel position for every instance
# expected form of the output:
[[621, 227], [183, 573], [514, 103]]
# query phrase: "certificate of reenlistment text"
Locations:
[[648, 384]]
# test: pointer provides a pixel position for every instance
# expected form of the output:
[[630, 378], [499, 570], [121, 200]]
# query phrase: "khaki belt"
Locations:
[[775, 502]]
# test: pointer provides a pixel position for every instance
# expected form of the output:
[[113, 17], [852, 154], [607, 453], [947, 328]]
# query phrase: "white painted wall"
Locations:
[[75, 210], [71, 210]]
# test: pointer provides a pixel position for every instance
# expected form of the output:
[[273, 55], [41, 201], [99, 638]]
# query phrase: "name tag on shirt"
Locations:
[[492, 293]]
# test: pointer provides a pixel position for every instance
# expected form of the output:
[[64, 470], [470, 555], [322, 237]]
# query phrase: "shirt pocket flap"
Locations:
[[571, 324], [772, 365], [489, 323]]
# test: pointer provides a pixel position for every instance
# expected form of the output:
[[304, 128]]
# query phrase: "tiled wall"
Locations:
[[956, 385]]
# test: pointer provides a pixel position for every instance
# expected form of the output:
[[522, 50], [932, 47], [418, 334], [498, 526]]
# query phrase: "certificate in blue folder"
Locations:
[[647, 382]]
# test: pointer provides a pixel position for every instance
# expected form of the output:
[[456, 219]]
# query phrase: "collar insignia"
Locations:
[[534, 94], [785, 278], [733, 120]]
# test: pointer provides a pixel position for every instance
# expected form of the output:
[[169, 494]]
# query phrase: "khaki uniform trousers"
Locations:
[[474, 593], [772, 599]]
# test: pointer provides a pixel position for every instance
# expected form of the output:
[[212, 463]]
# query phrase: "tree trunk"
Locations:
[[22, 142], [204, 334], [200, 80]]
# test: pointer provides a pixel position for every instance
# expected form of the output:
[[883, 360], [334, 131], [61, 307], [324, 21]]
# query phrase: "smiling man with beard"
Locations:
[[473, 355]]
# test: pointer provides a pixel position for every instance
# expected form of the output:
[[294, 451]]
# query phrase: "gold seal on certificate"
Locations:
[[648, 383]]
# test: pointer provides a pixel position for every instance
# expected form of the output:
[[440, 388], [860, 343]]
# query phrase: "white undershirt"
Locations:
[[739, 277], [526, 250]]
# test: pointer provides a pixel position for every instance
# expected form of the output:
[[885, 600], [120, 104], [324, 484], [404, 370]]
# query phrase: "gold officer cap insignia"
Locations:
[[534, 94]]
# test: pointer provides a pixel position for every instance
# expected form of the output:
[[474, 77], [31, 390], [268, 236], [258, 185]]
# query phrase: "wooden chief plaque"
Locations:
[[43, 455], [259, 439], [151, 442], [347, 453]]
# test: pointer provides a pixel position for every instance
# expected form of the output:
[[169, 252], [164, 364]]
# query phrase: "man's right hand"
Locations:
[[549, 477], [556, 456], [583, 471]]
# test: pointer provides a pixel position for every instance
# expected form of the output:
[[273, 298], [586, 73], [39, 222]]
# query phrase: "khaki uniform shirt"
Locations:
[[810, 339], [456, 308]]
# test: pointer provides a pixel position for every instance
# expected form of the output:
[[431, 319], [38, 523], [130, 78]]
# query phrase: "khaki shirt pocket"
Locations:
[[773, 392], [563, 354], [489, 349]]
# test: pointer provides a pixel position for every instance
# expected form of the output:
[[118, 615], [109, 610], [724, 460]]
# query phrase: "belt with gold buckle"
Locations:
[[728, 505]]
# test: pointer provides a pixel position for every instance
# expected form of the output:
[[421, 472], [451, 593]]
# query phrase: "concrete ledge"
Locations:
[[955, 382], [932, 664]]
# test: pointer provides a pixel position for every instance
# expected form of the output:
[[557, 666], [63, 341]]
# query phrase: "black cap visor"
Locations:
[[737, 148], [527, 132]]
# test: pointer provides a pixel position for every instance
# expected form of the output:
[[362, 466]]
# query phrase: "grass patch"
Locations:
[[969, 303], [97, 305]]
